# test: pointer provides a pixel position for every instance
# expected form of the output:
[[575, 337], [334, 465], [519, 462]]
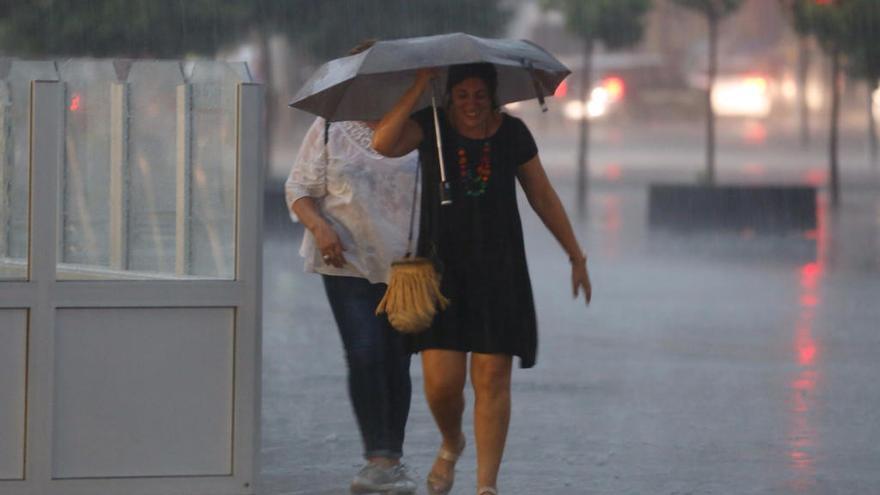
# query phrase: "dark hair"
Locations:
[[484, 71], [362, 46]]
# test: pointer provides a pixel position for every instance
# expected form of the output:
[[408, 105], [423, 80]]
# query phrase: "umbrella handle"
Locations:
[[445, 189], [445, 194], [536, 83]]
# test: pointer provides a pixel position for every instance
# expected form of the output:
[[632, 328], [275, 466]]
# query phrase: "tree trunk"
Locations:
[[803, 69], [710, 112], [583, 175], [834, 183], [873, 85]]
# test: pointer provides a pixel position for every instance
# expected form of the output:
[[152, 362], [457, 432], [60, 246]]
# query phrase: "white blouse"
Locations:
[[366, 198]]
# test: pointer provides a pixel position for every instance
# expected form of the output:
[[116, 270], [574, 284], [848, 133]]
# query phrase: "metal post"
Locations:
[[119, 175], [64, 179], [250, 169], [583, 164], [183, 224], [46, 148]]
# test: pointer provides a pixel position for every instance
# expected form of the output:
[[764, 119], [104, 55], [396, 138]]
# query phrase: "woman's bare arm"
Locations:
[[397, 134], [544, 200]]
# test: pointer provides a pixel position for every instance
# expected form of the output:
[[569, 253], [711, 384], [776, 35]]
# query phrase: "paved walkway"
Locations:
[[713, 364]]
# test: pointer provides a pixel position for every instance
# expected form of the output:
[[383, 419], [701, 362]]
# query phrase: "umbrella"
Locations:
[[366, 85]]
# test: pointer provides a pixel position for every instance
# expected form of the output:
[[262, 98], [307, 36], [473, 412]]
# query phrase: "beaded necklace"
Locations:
[[475, 177]]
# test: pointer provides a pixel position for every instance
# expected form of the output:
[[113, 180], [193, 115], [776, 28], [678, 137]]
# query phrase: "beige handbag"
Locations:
[[413, 296]]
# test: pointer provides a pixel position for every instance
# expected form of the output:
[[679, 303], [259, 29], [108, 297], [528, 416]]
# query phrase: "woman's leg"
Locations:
[[399, 386], [490, 377], [378, 401], [445, 373]]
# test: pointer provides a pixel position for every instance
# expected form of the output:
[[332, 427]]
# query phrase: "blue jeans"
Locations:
[[378, 364]]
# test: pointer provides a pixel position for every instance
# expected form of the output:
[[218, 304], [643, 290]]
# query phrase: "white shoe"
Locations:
[[393, 480]]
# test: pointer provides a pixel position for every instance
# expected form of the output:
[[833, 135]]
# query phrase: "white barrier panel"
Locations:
[[13, 347], [130, 291], [135, 401]]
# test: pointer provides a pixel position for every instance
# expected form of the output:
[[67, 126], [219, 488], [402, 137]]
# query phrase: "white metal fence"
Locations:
[[130, 272]]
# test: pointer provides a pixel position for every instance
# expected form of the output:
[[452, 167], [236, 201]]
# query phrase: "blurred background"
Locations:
[[647, 62], [719, 359]]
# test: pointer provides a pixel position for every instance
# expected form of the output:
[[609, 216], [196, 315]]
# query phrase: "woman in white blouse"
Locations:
[[356, 206]]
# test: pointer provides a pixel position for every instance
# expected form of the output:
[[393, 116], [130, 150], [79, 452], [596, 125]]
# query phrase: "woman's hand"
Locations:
[[397, 134], [329, 245], [580, 279], [424, 76]]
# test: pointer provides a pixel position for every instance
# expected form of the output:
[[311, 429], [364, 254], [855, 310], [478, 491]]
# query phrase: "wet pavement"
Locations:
[[710, 363]]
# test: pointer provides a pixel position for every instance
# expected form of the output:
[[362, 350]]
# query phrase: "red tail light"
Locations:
[[75, 102], [561, 90]]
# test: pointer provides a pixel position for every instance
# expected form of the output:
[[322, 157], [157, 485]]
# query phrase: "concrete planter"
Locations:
[[732, 207]]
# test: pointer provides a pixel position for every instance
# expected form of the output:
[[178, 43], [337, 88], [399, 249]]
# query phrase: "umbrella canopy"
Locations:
[[365, 86]]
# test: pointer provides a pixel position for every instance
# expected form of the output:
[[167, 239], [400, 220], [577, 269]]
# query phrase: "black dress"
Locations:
[[477, 241]]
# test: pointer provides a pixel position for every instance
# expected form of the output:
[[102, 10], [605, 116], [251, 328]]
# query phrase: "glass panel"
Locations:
[[152, 168], [15, 87], [85, 198], [148, 188], [213, 168]]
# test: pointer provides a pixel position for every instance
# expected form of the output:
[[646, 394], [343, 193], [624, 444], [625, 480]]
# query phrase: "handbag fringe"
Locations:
[[413, 295]]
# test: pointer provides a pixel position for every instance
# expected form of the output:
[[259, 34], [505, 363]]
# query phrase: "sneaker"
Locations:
[[393, 480]]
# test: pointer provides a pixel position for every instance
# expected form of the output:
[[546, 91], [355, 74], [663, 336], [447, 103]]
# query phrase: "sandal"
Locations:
[[487, 490], [438, 485]]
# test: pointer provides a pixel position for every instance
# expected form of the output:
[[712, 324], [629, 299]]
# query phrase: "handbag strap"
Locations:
[[412, 211], [326, 151]]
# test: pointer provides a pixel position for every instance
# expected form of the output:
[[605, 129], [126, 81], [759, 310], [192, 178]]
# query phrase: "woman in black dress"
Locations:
[[477, 244]]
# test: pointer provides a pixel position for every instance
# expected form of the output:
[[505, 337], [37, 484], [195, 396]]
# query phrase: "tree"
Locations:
[[835, 25], [616, 24], [802, 28], [863, 57], [714, 11], [829, 27], [328, 28], [175, 28], [122, 28]]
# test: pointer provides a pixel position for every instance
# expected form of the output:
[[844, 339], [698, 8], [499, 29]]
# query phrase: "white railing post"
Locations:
[[46, 128], [119, 175], [183, 214], [249, 263]]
